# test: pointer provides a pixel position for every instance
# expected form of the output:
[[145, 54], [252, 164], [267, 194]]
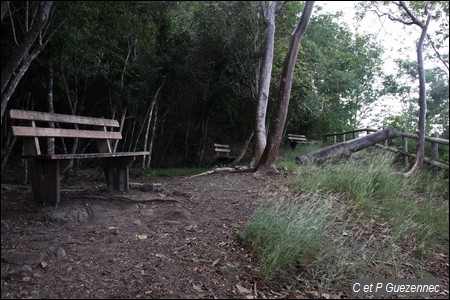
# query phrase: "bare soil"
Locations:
[[173, 240]]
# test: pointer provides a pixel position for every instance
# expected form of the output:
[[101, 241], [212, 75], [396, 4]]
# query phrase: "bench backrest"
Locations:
[[296, 137], [98, 129], [222, 150]]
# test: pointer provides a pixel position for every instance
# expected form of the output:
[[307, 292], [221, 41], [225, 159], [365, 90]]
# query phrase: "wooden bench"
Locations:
[[295, 139], [37, 127], [223, 153]]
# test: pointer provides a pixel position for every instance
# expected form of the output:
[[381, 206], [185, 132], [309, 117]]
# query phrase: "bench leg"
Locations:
[[45, 181], [293, 145], [117, 179], [117, 173]]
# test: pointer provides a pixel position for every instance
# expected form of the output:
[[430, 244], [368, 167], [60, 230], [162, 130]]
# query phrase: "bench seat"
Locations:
[[85, 155]]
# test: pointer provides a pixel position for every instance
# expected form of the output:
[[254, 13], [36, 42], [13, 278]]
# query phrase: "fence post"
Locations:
[[343, 137], [334, 137], [434, 148], [405, 147]]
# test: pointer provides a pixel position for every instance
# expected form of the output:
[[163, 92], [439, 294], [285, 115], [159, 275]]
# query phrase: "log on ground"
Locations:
[[345, 149]]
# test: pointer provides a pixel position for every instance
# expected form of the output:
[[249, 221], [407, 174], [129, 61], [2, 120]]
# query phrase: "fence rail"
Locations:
[[434, 140]]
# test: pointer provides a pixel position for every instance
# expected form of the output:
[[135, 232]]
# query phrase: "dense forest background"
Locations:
[[184, 75]]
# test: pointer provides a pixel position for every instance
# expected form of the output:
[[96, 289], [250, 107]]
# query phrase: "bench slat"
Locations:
[[68, 133], [85, 155], [61, 118]]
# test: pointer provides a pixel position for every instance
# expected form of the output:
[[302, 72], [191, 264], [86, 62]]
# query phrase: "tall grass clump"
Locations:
[[362, 177], [416, 208], [285, 233]]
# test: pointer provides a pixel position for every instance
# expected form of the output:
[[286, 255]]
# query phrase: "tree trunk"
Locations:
[[420, 154], [150, 148], [14, 69], [50, 141], [264, 86], [122, 122], [344, 149], [4, 8], [150, 114], [243, 150], [204, 133], [267, 162]]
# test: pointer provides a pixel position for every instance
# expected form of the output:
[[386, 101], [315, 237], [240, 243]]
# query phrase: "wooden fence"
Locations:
[[404, 150]]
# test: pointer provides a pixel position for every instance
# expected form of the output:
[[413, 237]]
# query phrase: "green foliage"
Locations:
[[335, 84]]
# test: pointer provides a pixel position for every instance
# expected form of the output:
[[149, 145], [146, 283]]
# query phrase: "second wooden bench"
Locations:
[[295, 139], [223, 155]]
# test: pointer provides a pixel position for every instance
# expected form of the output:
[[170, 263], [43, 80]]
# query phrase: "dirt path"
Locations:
[[178, 242]]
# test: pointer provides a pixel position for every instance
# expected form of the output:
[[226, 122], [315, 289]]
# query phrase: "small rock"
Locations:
[[73, 216], [191, 228], [137, 222], [147, 212], [60, 252], [151, 187], [210, 209], [25, 271]]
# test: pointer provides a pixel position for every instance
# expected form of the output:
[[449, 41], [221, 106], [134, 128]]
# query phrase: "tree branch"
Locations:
[[437, 53], [279, 6], [410, 14]]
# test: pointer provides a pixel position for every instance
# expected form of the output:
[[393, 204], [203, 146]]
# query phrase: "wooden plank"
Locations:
[[221, 146], [85, 155], [221, 150], [297, 139], [61, 118], [60, 132], [52, 185], [297, 135]]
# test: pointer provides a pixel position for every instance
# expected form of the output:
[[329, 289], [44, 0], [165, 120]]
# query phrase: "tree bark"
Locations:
[[150, 148], [267, 162], [243, 150], [4, 8], [264, 86], [50, 141], [420, 154], [345, 149], [150, 114], [122, 123], [17, 65]]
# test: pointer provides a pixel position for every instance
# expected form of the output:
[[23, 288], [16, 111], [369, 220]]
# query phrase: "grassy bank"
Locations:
[[353, 219]]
